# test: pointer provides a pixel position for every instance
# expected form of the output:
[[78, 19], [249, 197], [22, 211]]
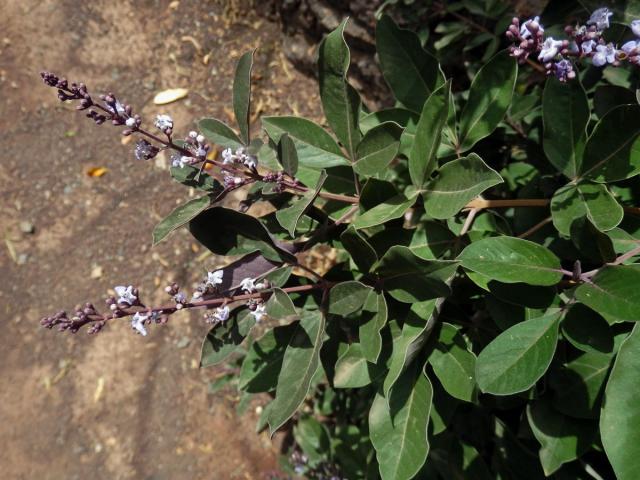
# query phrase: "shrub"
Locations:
[[477, 320]]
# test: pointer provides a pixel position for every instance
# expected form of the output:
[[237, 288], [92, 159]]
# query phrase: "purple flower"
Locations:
[[604, 54], [630, 46], [221, 314], [126, 294], [214, 278], [600, 18], [145, 151], [564, 70], [534, 24], [259, 313], [550, 49], [137, 323], [635, 27], [163, 122], [179, 161], [588, 46]]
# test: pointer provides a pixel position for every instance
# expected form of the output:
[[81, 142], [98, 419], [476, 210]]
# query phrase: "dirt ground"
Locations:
[[116, 405]]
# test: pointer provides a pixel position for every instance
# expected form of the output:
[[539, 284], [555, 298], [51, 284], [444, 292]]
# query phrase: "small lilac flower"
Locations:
[[126, 295], [248, 285], [604, 54], [588, 46], [145, 151], [200, 138], [193, 134], [550, 49], [250, 162], [201, 152], [630, 46], [180, 297], [600, 18], [180, 161], [221, 314], [163, 122], [119, 108], [259, 313], [635, 27], [137, 323], [564, 70], [525, 33], [227, 156], [214, 278]]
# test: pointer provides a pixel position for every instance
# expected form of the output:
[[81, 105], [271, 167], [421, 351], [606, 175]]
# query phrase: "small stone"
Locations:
[[22, 259], [27, 227], [183, 342], [96, 271]]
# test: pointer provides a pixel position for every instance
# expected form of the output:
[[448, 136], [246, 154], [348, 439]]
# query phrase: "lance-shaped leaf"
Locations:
[[458, 182], [565, 114], [261, 366], [192, 177], [241, 234], [612, 152], [313, 438], [620, 419], [347, 297], [562, 439], [315, 147], [290, 216], [489, 98], [359, 248], [607, 97], [219, 133], [390, 209], [415, 331], [422, 157], [299, 365], [516, 359], [587, 331], [401, 116], [252, 265], [377, 149], [353, 370], [242, 94], [512, 260], [340, 101], [432, 241], [409, 278], [180, 216], [225, 338], [613, 293], [592, 200], [287, 154], [411, 72], [398, 426], [374, 318], [454, 364], [578, 386]]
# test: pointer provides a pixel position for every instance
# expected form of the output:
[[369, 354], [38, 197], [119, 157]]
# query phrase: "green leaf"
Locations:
[[613, 293], [241, 234], [225, 338], [340, 101], [415, 330], [607, 97], [428, 135], [458, 182], [620, 419], [359, 248], [180, 216], [612, 153], [398, 427], [377, 149], [517, 358], [315, 147], [489, 98], [347, 297], [411, 72], [280, 307], [188, 176], [512, 260], [454, 364], [562, 439], [290, 216], [313, 439], [592, 200], [299, 365], [565, 114], [353, 370], [390, 209], [242, 94], [409, 278], [374, 318], [287, 155], [578, 386], [401, 116], [587, 331], [219, 133], [432, 241], [262, 363]]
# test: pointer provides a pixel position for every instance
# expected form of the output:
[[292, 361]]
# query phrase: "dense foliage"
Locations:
[[477, 318]]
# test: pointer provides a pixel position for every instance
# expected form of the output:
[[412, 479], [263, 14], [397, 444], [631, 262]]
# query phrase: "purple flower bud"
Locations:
[[145, 151], [600, 18]]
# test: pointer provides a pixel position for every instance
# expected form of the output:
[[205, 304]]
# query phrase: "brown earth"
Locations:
[[116, 405]]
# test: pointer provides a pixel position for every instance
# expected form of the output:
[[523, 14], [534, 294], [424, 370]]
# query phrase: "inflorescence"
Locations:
[[238, 168], [584, 41]]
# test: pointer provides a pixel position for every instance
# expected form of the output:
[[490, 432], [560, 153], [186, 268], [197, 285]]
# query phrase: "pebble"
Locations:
[[27, 227]]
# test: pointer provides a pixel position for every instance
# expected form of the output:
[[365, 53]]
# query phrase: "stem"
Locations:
[[516, 202], [535, 228]]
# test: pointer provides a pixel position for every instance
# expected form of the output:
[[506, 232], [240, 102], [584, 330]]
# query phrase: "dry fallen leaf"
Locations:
[[170, 95], [97, 171]]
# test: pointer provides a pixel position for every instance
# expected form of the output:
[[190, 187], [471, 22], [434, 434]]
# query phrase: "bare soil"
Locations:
[[116, 405]]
